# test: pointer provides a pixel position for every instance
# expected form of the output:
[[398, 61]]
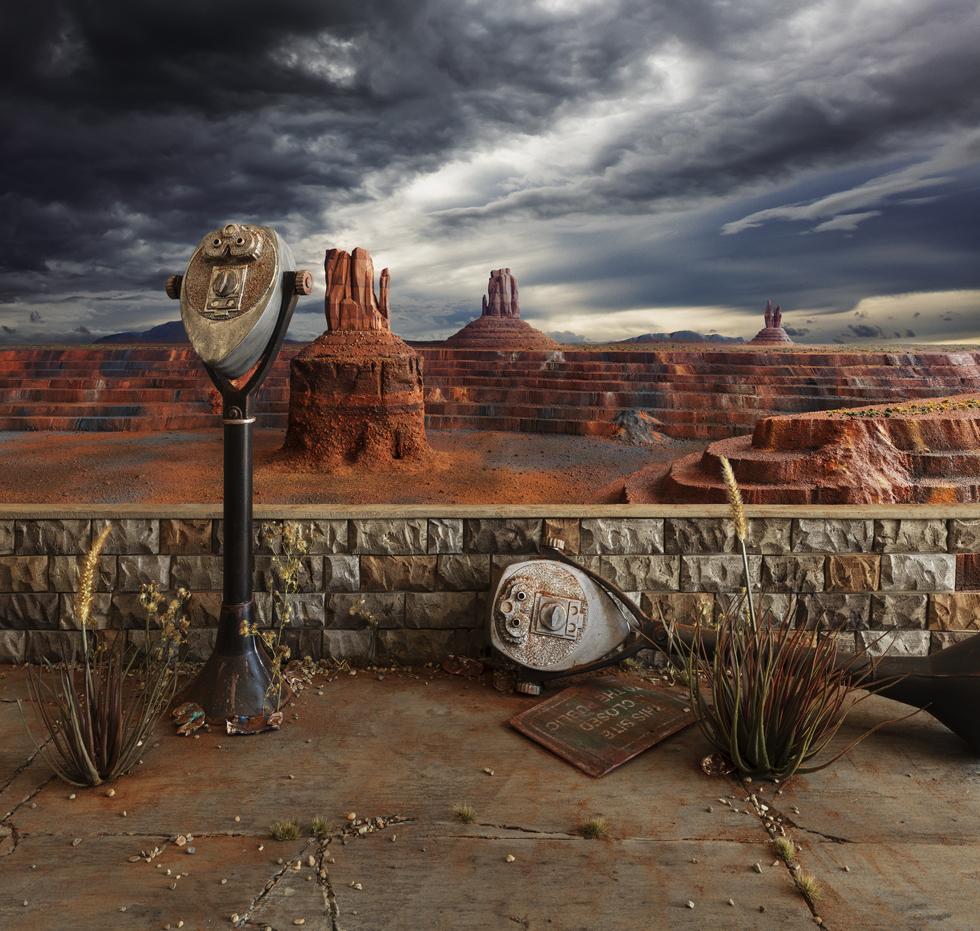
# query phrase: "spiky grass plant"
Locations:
[[100, 711], [284, 830], [767, 695], [809, 887], [594, 829], [785, 849], [319, 827], [464, 813]]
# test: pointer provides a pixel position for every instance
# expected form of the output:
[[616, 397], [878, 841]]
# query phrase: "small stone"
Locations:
[[234, 918], [238, 818], [311, 860], [690, 904], [261, 847], [224, 882], [757, 867], [762, 908], [694, 859], [846, 869], [122, 908], [731, 902], [291, 776], [357, 886], [124, 814], [489, 771], [299, 921], [352, 816], [76, 842], [710, 809], [71, 797], [180, 924], [110, 793], [510, 858], [191, 850]]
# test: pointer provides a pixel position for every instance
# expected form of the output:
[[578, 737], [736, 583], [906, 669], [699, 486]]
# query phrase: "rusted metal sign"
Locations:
[[604, 723]]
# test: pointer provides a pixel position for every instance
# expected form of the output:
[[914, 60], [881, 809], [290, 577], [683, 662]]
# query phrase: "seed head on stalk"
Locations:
[[737, 508]]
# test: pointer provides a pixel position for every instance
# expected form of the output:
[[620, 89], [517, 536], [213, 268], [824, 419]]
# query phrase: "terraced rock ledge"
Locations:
[[919, 452]]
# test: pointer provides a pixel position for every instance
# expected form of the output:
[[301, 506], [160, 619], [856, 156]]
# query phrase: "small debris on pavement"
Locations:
[[189, 717], [109, 793], [489, 771], [510, 858], [690, 904], [757, 867], [245, 725], [76, 842], [462, 666]]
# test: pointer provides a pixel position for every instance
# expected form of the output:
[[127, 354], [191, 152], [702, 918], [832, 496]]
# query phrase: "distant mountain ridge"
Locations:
[[170, 332], [683, 336]]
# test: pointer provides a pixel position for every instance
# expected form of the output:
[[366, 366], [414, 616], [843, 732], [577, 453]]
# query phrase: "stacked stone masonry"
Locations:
[[411, 590]]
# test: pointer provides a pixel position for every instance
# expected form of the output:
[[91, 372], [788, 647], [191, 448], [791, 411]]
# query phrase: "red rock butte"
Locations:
[[773, 331], [919, 452], [500, 325], [355, 393]]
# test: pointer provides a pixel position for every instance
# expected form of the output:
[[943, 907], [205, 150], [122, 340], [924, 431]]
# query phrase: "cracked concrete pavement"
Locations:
[[890, 831]]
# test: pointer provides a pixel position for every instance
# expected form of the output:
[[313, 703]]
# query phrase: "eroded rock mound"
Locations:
[[500, 325], [355, 393], [773, 331], [918, 452]]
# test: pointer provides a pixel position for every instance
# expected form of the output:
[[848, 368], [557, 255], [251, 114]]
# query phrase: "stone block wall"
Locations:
[[413, 587]]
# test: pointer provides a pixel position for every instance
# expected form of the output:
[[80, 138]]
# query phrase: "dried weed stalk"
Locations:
[[289, 547]]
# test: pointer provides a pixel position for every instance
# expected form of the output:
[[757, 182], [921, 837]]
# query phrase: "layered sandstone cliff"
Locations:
[[917, 452]]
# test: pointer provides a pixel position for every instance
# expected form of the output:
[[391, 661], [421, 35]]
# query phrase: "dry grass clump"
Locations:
[[766, 696], [785, 849], [100, 711], [319, 827], [284, 830], [809, 886], [594, 829], [464, 813]]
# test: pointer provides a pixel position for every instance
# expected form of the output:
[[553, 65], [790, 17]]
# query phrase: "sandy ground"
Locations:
[[890, 832], [465, 467]]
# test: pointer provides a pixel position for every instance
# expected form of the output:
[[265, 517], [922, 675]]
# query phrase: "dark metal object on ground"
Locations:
[[609, 627], [236, 300], [604, 722]]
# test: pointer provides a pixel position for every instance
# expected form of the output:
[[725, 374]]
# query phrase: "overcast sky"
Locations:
[[640, 166]]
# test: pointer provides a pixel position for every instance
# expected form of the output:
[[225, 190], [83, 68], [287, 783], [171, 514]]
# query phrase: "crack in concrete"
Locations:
[[557, 835], [23, 766], [25, 800], [246, 916], [330, 903], [322, 876]]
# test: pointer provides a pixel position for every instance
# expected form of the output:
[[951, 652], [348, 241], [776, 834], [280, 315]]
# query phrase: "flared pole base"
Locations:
[[235, 679]]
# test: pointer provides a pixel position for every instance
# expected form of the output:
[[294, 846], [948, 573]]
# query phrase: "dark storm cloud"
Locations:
[[128, 129]]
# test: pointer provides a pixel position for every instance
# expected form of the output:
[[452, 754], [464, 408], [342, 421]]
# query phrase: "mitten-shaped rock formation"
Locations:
[[919, 452], [355, 393], [773, 331], [500, 325]]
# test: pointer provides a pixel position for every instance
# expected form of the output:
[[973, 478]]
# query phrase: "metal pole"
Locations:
[[235, 680], [237, 600]]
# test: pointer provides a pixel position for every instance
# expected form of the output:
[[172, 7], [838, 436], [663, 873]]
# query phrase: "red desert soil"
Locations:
[[464, 467]]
